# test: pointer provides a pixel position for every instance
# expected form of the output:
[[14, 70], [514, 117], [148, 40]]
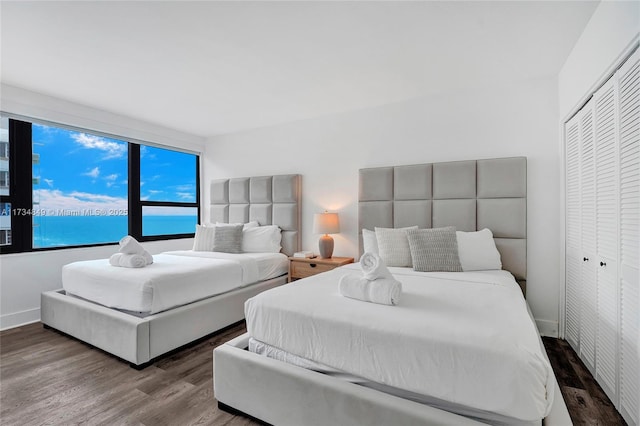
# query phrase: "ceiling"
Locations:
[[210, 67]]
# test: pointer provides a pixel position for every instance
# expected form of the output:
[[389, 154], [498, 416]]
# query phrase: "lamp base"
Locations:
[[325, 246]]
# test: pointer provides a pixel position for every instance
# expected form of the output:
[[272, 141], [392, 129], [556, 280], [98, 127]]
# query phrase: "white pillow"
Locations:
[[261, 239], [393, 246], [369, 241], [252, 224], [203, 240], [477, 251]]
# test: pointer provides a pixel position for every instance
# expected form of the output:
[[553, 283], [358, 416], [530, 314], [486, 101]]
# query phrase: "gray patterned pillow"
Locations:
[[228, 239], [434, 250]]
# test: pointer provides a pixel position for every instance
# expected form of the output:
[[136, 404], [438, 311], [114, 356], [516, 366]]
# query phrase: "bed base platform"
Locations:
[[281, 394], [140, 340]]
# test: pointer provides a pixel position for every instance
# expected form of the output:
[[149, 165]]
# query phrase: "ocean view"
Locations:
[[56, 231]]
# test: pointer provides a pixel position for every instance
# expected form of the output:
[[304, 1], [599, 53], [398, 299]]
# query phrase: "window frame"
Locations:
[[21, 189], [136, 204]]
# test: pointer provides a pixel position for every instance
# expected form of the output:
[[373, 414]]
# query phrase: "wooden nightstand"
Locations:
[[300, 267]]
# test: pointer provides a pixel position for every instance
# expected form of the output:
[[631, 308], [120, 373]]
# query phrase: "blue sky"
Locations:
[[83, 171]]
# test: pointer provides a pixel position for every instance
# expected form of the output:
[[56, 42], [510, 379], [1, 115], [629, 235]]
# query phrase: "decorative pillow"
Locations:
[[393, 246], [434, 249], [477, 250], [228, 239], [262, 239], [203, 240], [369, 242]]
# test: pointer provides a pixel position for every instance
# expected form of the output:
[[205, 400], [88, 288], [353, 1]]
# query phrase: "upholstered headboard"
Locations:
[[270, 200], [471, 195]]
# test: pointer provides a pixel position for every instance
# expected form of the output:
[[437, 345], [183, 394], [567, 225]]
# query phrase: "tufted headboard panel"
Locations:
[[270, 200], [470, 195]]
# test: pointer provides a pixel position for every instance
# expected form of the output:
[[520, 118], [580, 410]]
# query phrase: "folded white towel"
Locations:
[[373, 267], [384, 291], [129, 245], [127, 260]]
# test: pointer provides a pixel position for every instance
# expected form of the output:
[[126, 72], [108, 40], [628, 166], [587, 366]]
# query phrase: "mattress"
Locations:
[[462, 338], [174, 279]]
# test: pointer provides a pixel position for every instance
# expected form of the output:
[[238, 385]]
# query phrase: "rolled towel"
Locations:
[[373, 267], [385, 291], [147, 257], [127, 260], [129, 245]]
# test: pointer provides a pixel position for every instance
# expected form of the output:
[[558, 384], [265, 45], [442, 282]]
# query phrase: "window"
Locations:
[[79, 188], [168, 191], [76, 188]]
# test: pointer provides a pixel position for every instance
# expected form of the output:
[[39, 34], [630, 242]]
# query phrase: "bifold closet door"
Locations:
[[589, 264], [602, 157], [629, 131], [606, 162], [573, 234]]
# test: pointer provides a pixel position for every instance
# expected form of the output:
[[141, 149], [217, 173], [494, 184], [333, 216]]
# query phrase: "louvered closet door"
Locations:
[[573, 250], [588, 271], [606, 134], [629, 117]]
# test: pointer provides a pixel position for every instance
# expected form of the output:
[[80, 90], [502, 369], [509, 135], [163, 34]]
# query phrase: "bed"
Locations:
[[143, 321], [477, 324]]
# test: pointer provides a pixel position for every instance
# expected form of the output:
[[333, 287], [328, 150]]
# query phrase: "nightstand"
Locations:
[[300, 267]]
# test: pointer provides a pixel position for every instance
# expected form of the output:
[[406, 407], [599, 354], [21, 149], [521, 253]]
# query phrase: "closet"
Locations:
[[602, 166]]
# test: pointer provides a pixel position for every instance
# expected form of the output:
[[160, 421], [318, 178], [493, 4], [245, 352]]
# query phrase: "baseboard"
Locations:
[[547, 328], [17, 319]]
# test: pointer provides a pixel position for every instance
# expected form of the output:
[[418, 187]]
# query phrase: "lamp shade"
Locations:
[[326, 223]]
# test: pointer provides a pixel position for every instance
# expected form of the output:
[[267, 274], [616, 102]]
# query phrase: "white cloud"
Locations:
[[58, 203], [184, 188], [49, 182], [112, 149], [94, 173], [111, 179], [185, 195], [169, 211]]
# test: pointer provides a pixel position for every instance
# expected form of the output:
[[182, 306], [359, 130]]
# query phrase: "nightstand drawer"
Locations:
[[303, 270], [303, 267]]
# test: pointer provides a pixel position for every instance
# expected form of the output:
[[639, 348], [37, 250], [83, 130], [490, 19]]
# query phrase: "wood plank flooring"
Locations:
[[585, 399], [49, 378]]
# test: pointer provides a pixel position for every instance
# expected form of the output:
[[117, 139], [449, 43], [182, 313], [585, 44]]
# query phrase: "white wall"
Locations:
[[608, 37], [24, 276], [511, 120]]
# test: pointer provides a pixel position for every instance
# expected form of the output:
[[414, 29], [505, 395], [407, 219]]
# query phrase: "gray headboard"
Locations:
[[270, 200], [471, 195]]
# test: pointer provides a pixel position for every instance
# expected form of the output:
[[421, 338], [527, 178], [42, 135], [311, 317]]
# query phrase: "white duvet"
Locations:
[[466, 337], [174, 279]]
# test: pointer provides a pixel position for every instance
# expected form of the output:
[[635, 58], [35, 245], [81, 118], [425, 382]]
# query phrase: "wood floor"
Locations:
[[49, 378], [585, 399]]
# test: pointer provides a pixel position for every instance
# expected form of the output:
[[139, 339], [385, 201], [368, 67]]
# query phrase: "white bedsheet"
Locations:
[[174, 279], [461, 337]]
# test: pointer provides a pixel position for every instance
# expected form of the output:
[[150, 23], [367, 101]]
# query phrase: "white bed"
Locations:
[[450, 336], [174, 302], [174, 279], [478, 360]]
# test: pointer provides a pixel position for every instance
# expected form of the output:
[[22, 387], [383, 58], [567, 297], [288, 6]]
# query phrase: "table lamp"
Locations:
[[326, 223]]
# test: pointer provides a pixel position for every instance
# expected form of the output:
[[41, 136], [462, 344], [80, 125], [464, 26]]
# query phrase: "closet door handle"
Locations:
[[313, 265], [603, 263], [585, 259]]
